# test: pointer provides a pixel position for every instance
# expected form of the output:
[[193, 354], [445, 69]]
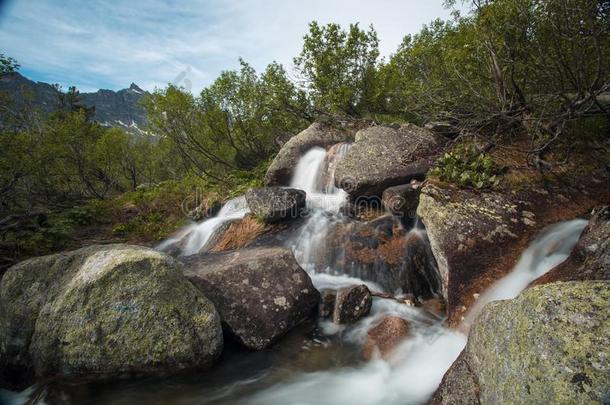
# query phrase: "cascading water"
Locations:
[[324, 366], [416, 367], [196, 238]]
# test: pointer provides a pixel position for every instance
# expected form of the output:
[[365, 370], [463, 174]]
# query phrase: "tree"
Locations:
[[233, 123], [8, 64], [338, 68]]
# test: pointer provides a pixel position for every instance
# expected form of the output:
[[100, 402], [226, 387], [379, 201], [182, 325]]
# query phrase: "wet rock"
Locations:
[[385, 156], [104, 311], [382, 251], [260, 293], [590, 259], [477, 237], [317, 134], [435, 306], [459, 385], [402, 200], [274, 204], [352, 303], [549, 345], [327, 303], [385, 336], [204, 211]]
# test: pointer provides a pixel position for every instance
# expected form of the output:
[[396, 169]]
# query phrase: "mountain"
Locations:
[[120, 109]]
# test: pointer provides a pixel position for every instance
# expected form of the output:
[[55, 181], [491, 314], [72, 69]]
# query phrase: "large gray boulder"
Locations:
[[275, 204], [104, 311], [549, 345], [384, 156], [317, 134], [261, 293]]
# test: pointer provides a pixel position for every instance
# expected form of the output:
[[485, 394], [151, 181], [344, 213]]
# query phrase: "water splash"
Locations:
[[198, 237]]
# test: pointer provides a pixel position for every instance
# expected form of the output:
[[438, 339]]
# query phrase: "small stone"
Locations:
[[352, 303], [385, 336]]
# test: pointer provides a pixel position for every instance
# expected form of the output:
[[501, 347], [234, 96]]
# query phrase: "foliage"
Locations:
[[339, 68], [465, 165], [511, 66], [233, 124], [8, 64]]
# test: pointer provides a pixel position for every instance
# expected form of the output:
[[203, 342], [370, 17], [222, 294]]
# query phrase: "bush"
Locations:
[[467, 166]]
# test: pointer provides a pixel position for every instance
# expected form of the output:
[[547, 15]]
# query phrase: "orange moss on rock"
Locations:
[[240, 234]]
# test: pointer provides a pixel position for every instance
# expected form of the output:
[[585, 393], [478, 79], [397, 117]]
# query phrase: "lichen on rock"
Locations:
[[105, 311]]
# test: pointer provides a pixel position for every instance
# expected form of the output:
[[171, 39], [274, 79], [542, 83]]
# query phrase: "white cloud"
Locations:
[[111, 44]]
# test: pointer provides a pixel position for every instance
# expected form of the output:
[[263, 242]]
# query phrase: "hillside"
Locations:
[[120, 109]]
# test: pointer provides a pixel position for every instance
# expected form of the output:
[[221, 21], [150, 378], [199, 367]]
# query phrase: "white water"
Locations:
[[194, 238], [414, 370], [549, 249]]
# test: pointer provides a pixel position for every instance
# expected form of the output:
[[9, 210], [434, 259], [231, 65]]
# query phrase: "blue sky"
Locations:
[[109, 44]]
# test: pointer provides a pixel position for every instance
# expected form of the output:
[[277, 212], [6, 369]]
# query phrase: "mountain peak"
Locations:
[[135, 88]]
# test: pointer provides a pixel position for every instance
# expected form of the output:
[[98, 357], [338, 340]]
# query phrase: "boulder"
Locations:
[[104, 311], [590, 259], [384, 156], [317, 134], [384, 252], [351, 304], [260, 293], [478, 236], [274, 204], [549, 345], [402, 200], [385, 336]]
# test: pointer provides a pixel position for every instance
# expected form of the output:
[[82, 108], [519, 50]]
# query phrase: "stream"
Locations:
[[320, 362]]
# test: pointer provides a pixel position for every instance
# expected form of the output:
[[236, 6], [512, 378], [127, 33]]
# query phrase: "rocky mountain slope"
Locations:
[[112, 108]]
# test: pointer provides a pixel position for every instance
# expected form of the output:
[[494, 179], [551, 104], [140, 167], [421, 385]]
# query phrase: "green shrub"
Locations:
[[466, 166]]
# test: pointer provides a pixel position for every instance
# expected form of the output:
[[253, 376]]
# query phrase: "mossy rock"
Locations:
[[549, 345], [105, 311]]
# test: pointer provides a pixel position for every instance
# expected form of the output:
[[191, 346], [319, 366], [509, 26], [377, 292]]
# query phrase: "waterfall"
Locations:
[[315, 173], [197, 237], [548, 250], [416, 367]]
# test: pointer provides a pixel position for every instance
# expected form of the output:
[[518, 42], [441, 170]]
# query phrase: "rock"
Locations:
[[104, 311], [317, 134], [384, 156], [274, 204], [435, 306], [402, 200], [443, 128], [382, 251], [385, 336], [260, 293], [326, 307], [203, 211], [549, 345], [477, 236], [590, 259], [459, 386], [352, 303]]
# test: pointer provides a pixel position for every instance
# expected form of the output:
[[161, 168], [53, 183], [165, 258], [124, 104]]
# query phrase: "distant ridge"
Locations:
[[120, 109]]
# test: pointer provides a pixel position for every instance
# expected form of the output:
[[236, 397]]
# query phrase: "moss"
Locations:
[[106, 310], [548, 345]]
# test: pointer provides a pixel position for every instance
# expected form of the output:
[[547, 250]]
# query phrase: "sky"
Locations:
[[111, 43]]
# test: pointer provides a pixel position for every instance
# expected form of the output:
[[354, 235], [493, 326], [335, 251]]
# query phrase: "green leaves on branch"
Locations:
[[466, 166], [338, 68], [234, 124]]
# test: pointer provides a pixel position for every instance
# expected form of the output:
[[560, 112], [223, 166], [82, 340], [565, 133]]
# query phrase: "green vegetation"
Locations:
[[466, 166], [533, 72]]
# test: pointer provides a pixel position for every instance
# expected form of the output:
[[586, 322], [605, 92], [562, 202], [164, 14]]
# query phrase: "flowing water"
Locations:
[[197, 237], [321, 363]]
